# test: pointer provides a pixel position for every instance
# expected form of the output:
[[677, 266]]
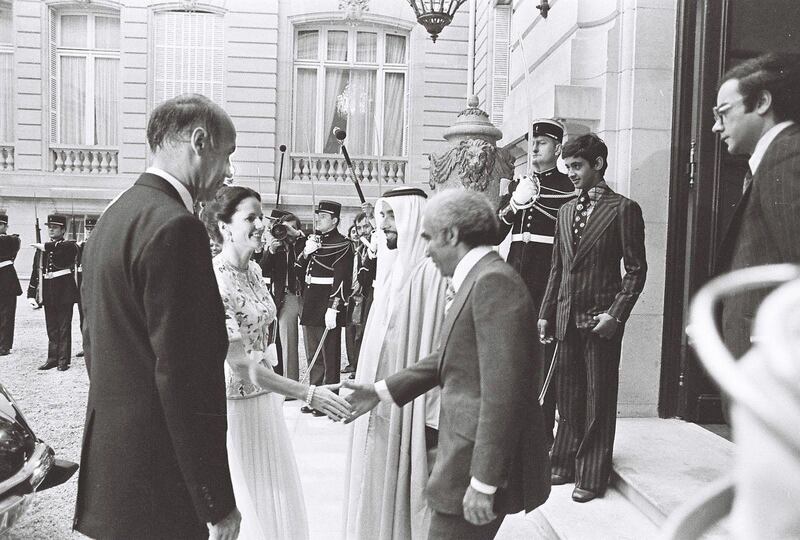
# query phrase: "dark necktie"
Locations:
[[748, 179], [579, 224]]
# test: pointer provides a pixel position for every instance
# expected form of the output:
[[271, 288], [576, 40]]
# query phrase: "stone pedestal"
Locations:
[[473, 161]]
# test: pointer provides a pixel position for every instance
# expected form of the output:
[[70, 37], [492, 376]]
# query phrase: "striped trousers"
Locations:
[[587, 378]]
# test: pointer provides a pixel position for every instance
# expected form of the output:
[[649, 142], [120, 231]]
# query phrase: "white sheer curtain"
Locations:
[[395, 49], [393, 108], [337, 46], [367, 47], [106, 102], [74, 31], [106, 33], [6, 26], [335, 84], [307, 44], [361, 112], [72, 100], [6, 97], [305, 110]]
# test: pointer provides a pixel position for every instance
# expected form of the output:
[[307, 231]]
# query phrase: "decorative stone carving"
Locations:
[[474, 161]]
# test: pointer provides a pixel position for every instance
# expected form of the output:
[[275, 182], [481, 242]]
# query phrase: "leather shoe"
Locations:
[[306, 409], [348, 369], [315, 412], [583, 495], [559, 480], [79, 355], [63, 367], [4, 352], [48, 365]]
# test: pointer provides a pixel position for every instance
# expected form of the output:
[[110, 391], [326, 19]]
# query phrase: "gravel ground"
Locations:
[[54, 404]]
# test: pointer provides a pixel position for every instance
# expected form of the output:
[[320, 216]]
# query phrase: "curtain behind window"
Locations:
[[306, 111], [106, 104], [72, 100], [6, 97], [393, 106]]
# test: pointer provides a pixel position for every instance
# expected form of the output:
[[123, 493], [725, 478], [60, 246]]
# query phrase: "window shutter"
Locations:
[[53, 76], [500, 61]]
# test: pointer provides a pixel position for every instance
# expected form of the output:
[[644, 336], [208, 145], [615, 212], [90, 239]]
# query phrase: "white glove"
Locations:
[[311, 247], [40, 247], [525, 193], [34, 304], [330, 318]]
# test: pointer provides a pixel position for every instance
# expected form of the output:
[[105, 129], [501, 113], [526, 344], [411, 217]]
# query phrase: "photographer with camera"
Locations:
[[283, 270]]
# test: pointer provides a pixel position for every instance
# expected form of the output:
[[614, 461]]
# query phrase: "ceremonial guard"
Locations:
[[329, 274], [282, 267], [9, 285], [529, 212], [88, 227], [53, 286]]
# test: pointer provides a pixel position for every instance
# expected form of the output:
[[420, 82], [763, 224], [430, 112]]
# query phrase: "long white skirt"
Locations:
[[266, 483]]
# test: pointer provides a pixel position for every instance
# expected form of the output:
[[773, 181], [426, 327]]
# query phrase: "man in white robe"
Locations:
[[390, 449]]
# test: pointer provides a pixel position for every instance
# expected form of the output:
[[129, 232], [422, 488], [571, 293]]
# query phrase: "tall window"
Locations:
[[84, 78], [189, 55], [6, 73], [353, 79]]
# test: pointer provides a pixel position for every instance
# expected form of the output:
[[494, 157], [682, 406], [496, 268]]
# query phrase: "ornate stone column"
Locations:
[[473, 161]]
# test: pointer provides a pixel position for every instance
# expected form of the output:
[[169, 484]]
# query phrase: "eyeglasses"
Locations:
[[720, 111]]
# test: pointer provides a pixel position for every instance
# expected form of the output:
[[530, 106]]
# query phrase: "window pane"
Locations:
[[395, 49], [106, 101], [307, 44], [337, 46], [6, 97], [74, 31], [336, 106], [366, 47], [393, 108], [72, 100], [6, 26], [305, 110], [106, 33]]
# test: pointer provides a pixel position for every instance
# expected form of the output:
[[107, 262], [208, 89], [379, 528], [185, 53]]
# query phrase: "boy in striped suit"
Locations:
[[586, 304]]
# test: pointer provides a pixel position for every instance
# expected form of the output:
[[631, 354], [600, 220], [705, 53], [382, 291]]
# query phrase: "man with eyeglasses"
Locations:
[[758, 115]]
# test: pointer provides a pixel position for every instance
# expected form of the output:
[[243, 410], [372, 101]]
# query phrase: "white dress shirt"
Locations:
[[463, 268], [764, 142], [186, 197]]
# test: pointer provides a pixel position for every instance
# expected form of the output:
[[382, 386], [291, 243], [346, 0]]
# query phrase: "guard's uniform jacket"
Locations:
[[329, 276], [532, 229], [58, 286], [283, 271], [9, 290]]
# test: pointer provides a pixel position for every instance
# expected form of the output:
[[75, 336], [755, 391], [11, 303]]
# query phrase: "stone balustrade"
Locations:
[[333, 168], [6, 157], [84, 159]]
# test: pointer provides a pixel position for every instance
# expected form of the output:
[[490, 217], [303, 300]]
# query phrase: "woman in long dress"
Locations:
[[263, 469]]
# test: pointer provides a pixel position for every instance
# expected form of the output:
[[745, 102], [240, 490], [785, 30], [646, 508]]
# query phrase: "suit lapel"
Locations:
[[460, 300], [601, 217], [565, 228]]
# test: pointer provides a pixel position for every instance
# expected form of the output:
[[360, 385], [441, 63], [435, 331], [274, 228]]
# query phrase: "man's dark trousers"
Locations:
[[8, 308], [58, 319], [326, 370], [587, 416]]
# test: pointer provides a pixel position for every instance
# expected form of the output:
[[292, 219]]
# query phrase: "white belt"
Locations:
[[57, 273], [530, 237], [268, 281], [3, 264], [319, 280]]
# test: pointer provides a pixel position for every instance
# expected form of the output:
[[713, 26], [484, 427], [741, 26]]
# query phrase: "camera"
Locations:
[[279, 231]]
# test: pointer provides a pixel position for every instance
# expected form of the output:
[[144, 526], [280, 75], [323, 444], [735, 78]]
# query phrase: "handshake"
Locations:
[[525, 194]]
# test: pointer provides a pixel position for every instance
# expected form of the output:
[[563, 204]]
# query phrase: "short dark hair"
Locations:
[[589, 147], [173, 118], [469, 212], [293, 218], [222, 208], [778, 74], [359, 217]]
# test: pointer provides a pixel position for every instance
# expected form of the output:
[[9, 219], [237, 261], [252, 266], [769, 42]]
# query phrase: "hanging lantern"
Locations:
[[434, 15]]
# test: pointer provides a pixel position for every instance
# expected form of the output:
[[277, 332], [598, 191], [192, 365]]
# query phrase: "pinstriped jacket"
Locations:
[[587, 281]]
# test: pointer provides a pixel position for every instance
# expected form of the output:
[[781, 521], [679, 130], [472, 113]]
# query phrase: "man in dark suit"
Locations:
[[54, 262], [492, 455], [365, 264], [154, 462], [588, 302], [9, 286], [530, 217], [88, 227], [329, 274], [757, 114], [283, 274]]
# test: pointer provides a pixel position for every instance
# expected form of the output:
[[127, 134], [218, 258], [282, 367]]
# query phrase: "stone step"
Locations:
[[611, 517], [661, 463]]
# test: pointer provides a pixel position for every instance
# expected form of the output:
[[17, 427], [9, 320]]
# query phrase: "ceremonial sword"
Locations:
[[549, 377]]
